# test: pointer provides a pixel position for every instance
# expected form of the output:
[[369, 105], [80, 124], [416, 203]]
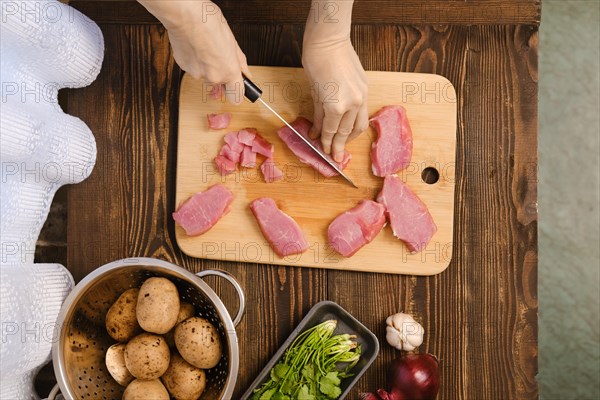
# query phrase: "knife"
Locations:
[[253, 93]]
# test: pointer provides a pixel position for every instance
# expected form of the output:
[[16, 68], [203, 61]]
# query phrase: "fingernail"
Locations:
[[338, 157], [312, 134]]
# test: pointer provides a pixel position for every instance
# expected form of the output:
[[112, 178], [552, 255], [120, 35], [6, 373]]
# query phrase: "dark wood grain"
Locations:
[[480, 315], [413, 12]]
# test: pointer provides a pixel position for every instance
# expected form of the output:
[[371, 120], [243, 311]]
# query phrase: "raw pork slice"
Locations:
[[270, 171], [305, 153], [232, 140], [408, 215], [202, 211], [224, 165], [282, 232], [230, 153], [248, 159], [356, 227], [262, 146], [246, 136], [219, 121], [392, 150]]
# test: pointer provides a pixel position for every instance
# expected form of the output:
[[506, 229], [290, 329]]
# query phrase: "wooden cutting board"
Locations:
[[312, 200]]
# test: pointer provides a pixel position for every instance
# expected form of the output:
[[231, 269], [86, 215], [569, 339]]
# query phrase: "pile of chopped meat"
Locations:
[[241, 148]]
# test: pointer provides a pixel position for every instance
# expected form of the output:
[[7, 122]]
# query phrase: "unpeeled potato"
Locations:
[[157, 305], [115, 364], [121, 320], [146, 390], [183, 380], [147, 356], [186, 310], [198, 342]]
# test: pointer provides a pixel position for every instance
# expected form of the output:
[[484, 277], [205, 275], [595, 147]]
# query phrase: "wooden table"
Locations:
[[480, 315]]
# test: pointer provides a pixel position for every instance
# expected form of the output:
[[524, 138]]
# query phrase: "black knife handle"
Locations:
[[251, 91]]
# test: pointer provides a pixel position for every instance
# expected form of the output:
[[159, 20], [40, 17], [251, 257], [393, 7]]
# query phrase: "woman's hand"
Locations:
[[337, 78], [203, 44]]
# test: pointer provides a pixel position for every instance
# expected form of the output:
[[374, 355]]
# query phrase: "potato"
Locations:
[[145, 390], [186, 310], [121, 321], [158, 305], [115, 364], [198, 342], [147, 356], [183, 380]]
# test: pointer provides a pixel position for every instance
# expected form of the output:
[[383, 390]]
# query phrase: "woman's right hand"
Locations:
[[203, 44]]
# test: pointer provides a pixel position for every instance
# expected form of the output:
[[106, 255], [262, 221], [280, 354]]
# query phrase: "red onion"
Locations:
[[383, 395], [411, 377], [414, 377]]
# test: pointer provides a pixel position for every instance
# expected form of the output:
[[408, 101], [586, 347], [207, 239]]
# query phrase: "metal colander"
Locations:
[[81, 338]]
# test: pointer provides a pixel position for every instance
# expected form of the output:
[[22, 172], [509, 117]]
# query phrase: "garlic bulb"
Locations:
[[403, 332]]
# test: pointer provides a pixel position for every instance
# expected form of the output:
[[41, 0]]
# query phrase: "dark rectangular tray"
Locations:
[[321, 312]]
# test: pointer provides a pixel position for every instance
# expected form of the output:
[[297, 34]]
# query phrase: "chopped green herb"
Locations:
[[303, 394], [330, 385], [279, 371], [268, 394]]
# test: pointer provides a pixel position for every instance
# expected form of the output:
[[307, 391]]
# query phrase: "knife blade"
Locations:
[[253, 93]]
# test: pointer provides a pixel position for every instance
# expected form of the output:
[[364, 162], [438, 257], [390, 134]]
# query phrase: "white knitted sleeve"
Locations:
[[45, 46], [30, 298]]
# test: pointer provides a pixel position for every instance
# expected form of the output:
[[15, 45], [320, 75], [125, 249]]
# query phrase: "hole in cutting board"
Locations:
[[430, 175]]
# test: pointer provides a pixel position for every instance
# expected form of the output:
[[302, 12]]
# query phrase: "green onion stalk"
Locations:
[[312, 366]]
